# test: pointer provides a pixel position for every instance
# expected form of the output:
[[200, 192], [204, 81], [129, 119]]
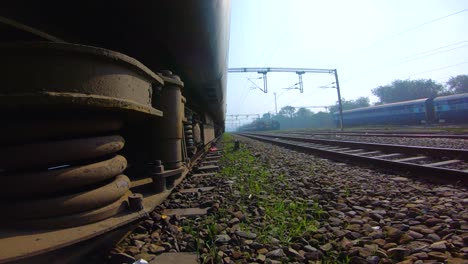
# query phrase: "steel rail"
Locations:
[[418, 150], [436, 174], [381, 134]]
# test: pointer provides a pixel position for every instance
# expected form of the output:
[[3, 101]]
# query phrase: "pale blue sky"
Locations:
[[356, 37]]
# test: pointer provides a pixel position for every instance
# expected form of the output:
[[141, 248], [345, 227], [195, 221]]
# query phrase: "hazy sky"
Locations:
[[370, 43]]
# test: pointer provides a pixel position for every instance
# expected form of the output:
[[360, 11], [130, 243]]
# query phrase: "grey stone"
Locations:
[[373, 260], [277, 253], [247, 235], [438, 246], [156, 248], [326, 247], [186, 211], [398, 253], [438, 255], [234, 221], [294, 254], [222, 239], [314, 255], [433, 237], [417, 246], [415, 234]]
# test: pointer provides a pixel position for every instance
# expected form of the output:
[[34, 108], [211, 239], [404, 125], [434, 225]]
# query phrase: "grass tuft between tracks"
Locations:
[[262, 195]]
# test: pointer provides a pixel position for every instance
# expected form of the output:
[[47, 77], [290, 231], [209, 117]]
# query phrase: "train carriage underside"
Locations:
[[102, 103]]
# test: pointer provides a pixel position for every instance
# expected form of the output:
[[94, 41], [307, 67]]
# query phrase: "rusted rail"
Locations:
[[416, 150], [387, 157], [384, 134]]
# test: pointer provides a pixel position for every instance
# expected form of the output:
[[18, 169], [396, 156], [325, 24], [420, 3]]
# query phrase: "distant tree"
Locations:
[[404, 90], [350, 104], [289, 118], [458, 84], [287, 111], [303, 113], [266, 116]]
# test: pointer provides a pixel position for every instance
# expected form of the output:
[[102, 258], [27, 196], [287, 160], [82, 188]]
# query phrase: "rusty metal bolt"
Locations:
[[157, 167], [169, 74], [159, 183], [135, 202]]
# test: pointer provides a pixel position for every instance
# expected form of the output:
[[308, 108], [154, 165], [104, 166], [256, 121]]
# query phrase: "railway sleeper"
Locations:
[[413, 159], [443, 163]]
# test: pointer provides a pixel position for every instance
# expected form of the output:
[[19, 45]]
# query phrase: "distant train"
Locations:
[[261, 125], [444, 109]]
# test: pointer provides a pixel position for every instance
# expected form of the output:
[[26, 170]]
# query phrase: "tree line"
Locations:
[[397, 91], [404, 90]]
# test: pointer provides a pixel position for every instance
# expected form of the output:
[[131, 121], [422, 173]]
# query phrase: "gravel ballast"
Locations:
[[331, 213]]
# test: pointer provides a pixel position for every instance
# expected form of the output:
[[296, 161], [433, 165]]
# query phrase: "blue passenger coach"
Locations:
[[401, 113], [451, 109]]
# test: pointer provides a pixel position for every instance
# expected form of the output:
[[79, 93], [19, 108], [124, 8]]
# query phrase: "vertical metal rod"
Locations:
[[301, 86], [339, 99], [276, 107], [265, 86]]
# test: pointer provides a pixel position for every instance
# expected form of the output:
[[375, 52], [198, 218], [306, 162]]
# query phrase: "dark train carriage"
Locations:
[[261, 125], [102, 103], [451, 109], [401, 113]]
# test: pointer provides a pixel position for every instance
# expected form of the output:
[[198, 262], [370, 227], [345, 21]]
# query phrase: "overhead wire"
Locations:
[[411, 29], [437, 69], [244, 91], [406, 61], [422, 57], [431, 50], [421, 25]]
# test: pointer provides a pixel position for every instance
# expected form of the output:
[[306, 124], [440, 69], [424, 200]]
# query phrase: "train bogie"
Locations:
[[89, 127]]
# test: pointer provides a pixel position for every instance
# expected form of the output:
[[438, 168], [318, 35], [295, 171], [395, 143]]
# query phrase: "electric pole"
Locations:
[[299, 72], [339, 99], [276, 107]]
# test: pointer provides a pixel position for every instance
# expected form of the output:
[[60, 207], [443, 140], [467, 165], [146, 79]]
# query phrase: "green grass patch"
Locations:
[[257, 187]]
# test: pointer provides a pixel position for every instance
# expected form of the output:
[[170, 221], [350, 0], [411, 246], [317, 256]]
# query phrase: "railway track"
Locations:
[[435, 164], [384, 134]]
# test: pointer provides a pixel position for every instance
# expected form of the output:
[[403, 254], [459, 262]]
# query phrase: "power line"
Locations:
[[428, 22], [437, 69], [421, 53], [423, 24], [422, 57], [267, 103], [245, 93], [403, 62], [411, 29], [444, 79]]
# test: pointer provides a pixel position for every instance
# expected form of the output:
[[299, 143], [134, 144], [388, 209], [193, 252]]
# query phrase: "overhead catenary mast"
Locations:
[[299, 72]]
